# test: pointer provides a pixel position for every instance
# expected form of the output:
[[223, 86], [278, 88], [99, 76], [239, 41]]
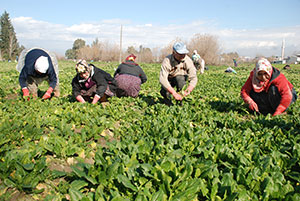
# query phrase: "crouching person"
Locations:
[[129, 76], [267, 90], [176, 69], [92, 84], [35, 66]]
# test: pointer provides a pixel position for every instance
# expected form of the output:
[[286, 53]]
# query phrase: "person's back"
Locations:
[[198, 62], [129, 77], [35, 66]]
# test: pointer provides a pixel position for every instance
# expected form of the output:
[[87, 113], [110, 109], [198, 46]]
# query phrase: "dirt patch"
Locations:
[[107, 136], [17, 195], [117, 124], [77, 130], [12, 96], [58, 164]]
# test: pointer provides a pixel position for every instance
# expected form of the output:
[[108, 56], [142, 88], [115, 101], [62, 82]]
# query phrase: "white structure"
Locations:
[[282, 50]]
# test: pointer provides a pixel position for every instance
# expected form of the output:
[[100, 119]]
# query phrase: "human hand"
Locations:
[[253, 106], [188, 91], [47, 95], [96, 99], [177, 96], [280, 110], [174, 93], [80, 99]]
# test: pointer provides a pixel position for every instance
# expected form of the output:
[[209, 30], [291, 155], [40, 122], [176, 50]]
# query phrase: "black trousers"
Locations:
[[177, 82], [268, 102]]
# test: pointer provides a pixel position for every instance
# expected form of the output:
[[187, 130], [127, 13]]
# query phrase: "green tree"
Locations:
[[9, 46], [78, 43], [70, 54], [73, 53]]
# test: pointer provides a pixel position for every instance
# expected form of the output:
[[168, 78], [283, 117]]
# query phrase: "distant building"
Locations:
[[278, 60], [294, 59]]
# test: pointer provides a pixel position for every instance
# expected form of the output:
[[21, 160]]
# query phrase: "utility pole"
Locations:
[[282, 50], [120, 58]]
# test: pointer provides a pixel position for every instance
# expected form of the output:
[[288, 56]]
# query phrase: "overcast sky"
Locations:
[[248, 27]]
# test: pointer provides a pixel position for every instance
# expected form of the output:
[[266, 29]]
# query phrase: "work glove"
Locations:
[[47, 95], [279, 110], [79, 98], [25, 93], [188, 90], [174, 94], [96, 99]]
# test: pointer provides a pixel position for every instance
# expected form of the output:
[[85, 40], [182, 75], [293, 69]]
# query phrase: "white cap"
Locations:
[[42, 64]]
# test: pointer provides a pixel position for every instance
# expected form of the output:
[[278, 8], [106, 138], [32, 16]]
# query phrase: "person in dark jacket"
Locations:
[[92, 84], [129, 76], [35, 66], [267, 90]]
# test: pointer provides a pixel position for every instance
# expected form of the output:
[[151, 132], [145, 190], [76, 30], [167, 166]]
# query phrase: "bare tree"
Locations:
[[207, 46], [89, 53], [110, 52]]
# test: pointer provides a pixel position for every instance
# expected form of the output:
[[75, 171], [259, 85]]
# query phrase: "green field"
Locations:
[[209, 148]]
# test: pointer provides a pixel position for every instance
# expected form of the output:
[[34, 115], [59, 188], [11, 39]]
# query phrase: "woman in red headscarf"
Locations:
[[267, 90], [129, 76]]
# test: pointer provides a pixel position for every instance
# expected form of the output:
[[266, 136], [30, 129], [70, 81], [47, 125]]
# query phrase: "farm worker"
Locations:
[[129, 76], [35, 66], [176, 69], [267, 90], [235, 62], [198, 61], [230, 70], [92, 84]]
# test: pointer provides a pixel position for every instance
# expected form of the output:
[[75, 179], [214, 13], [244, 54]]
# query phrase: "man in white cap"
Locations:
[[35, 66], [176, 69]]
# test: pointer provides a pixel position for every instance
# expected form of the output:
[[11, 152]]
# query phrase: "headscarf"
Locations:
[[261, 65], [82, 66], [131, 57]]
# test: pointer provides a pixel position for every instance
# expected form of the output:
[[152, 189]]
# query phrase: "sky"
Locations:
[[248, 27]]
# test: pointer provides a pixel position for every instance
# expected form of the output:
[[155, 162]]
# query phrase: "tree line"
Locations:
[[206, 45]]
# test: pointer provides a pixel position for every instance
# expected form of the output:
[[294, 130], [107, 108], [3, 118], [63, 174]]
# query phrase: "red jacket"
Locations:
[[277, 79]]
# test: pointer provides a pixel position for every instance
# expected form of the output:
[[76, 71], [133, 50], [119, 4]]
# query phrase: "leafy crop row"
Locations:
[[207, 148]]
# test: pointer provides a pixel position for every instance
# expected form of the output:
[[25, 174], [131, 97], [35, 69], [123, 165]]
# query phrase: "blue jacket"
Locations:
[[29, 70]]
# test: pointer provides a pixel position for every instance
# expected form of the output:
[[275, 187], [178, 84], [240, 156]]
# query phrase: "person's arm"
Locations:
[[76, 91], [245, 91], [143, 76], [118, 70], [75, 87], [101, 83], [286, 95], [52, 75], [23, 77], [164, 73]]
